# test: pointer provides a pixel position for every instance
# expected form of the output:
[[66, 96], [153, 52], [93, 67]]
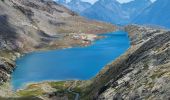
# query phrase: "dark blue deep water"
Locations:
[[68, 64]]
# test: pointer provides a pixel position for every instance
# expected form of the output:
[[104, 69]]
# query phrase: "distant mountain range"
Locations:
[[107, 10], [114, 12], [157, 14], [136, 11]]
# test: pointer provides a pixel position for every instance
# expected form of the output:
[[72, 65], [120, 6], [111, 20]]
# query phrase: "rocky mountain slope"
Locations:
[[141, 73], [29, 25], [158, 13]]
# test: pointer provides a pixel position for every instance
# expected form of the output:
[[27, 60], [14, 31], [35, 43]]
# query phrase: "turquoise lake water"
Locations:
[[69, 64]]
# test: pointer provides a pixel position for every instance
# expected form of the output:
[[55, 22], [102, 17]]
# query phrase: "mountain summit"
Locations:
[[105, 10], [78, 5], [75, 5], [115, 12]]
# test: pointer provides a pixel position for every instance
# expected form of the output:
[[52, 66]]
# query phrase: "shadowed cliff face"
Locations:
[[8, 33], [6, 30]]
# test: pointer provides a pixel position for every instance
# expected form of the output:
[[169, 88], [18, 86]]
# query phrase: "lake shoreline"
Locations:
[[16, 55], [19, 55], [66, 49]]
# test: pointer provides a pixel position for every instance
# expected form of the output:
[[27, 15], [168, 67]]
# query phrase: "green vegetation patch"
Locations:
[[31, 92]]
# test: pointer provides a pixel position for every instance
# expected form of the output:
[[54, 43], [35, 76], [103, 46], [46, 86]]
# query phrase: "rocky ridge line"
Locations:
[[143, 71]]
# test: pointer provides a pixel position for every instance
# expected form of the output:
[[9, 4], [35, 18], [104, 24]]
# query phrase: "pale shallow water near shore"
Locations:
[[77, 63]]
